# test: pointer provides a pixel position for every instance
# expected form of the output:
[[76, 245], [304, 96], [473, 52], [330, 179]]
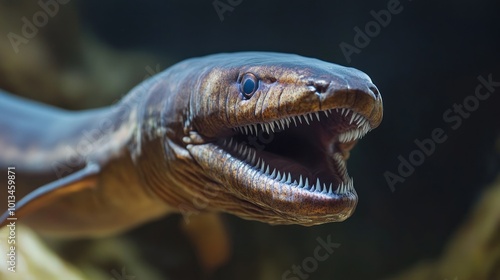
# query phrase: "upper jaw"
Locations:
[[355, 124]]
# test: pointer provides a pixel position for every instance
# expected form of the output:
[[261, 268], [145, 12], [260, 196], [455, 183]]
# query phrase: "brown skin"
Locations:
[[164, 151]]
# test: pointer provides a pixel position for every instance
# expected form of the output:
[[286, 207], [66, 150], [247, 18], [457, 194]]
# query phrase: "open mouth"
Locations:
[[304, 152]]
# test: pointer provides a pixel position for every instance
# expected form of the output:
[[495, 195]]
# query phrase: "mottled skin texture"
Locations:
[[160, 149]]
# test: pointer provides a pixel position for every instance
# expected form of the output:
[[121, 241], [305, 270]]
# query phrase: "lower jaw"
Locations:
[[268, 200], [328, 168]]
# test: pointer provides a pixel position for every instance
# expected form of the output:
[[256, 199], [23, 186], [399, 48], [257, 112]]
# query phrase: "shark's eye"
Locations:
[[248, 85]]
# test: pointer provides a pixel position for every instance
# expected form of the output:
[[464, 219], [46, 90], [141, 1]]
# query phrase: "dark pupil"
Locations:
[[248, 86]]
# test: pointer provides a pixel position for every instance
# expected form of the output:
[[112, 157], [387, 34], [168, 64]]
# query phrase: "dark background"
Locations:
[[425, 60]]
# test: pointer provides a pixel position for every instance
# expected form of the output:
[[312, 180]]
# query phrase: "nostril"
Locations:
[[375, 91], [321, 86]]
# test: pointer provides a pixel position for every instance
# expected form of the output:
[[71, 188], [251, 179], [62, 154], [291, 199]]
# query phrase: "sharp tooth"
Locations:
[[306, 184], [337, 110], [342, 111], [362, 126], [318, 185], [352, 118], [267, 170], [288, 122], [277, 125], [262, 167], [310, 116], [230, 142], [330, 189], [294, 120], [283, 122], [300, 182], [274, 173], [278, 177], [330, 111], [253, 157], [324, 188], [326, 113], [367, 127], [339, 189], [250, 129], [272, 126], [317, 115], [361, 123], [289, 179], [305, 118], [283, 179], [267, 128], [295, 182]]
